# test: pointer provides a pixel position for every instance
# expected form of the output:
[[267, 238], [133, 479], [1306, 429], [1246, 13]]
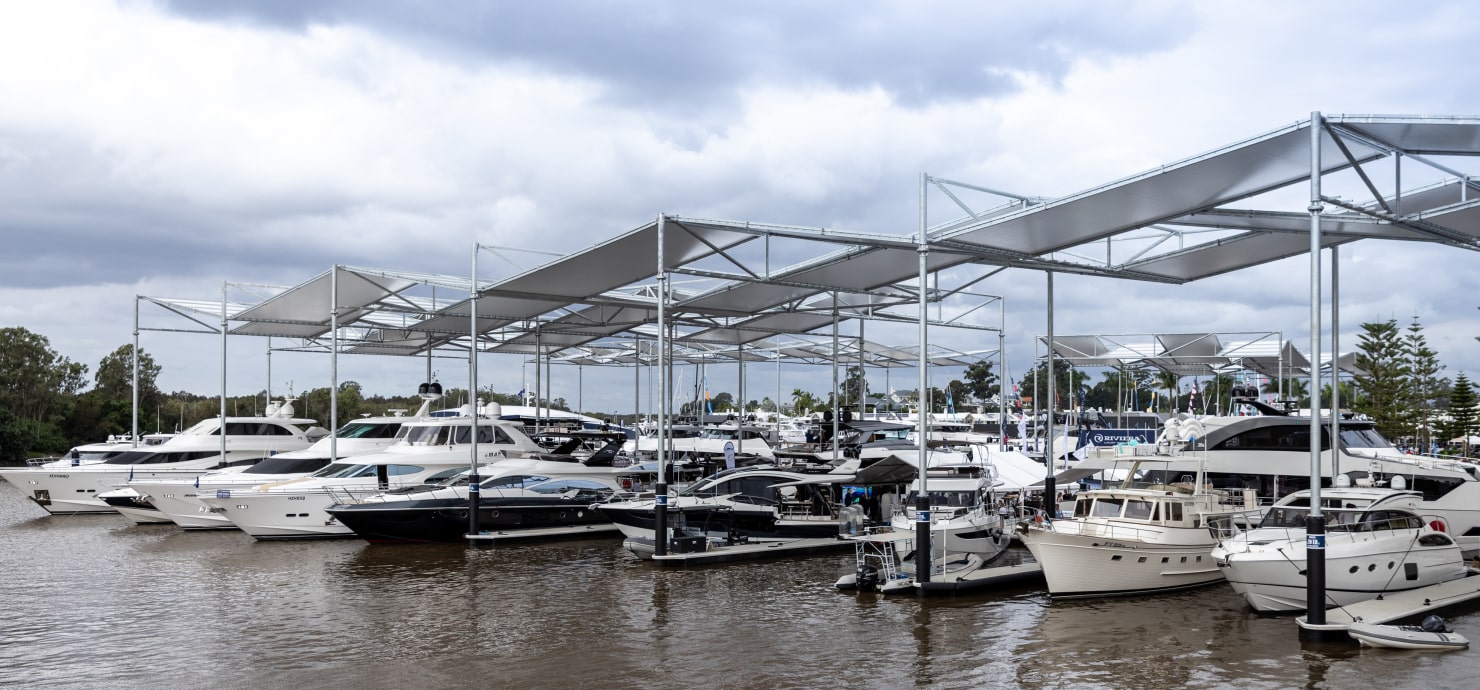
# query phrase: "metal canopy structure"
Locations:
[[1221, 211], [1188, 354]]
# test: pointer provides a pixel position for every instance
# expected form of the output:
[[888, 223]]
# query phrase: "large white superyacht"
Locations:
[[425, 449], [75, 489], [178, 500]]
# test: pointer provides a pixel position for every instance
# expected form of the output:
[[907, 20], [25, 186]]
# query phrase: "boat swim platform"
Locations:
[[541, 534], [984, 579], [1410, 605], [731, 553]]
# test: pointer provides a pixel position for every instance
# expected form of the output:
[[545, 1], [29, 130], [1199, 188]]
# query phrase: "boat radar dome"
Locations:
[[1398, 482], [493, 410]]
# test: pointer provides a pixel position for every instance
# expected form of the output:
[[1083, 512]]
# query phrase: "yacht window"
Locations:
[[369, 430], [1433, 488], [1081, 507], [561, 486], [427, 435], [281, 465], [1363, 437], [516, 481], [1279, 437], [400, 470], [344, 470], [1107, 507], [485, 434], [1136, 509], [1174, 512]]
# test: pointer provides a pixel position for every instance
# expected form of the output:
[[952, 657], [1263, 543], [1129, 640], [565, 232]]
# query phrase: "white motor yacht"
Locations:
[[963, 511], [178, 500], [425, 450], [515, 495], [1136, 538], [75, 489], [1270, 454], [93, 453], [758, 503], [1377, 541]]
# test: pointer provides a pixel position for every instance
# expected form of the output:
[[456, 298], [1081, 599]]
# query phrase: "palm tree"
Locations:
[[1171, 381], [802, 402]]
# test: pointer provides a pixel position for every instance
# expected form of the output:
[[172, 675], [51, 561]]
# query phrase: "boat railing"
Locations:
[[38, 462]]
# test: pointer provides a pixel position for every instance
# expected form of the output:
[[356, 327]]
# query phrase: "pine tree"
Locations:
[[1463, 417], [1425, 389], [1381, 356]]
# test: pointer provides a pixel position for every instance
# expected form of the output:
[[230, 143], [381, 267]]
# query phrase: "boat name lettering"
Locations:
[[298, 498], [58, 476]]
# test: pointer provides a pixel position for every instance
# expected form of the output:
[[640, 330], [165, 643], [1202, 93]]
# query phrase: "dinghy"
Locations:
[[1432, 634]]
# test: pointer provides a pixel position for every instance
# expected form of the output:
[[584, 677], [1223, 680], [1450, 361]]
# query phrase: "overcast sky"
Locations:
[[161, 148]]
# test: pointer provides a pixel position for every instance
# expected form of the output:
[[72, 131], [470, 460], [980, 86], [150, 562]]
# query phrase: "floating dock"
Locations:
[[542, 533], [714, 553], [1399, 606]]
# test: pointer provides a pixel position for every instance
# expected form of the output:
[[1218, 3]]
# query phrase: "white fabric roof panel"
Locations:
[[1238, 171], [620, 261], [303, 311], [855, 269], [1232, 254], [1422, 135]]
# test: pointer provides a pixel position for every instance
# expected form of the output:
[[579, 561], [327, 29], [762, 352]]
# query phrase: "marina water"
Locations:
[[92, 601]]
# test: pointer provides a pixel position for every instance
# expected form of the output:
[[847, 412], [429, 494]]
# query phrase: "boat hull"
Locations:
[[446, 519], [1405, 637], [1081, 565]]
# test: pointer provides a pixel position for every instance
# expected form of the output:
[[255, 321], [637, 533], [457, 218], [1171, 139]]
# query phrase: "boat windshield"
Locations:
[[369, 430], [954, 499], [341, 470], [426, 435], [1364, 437]]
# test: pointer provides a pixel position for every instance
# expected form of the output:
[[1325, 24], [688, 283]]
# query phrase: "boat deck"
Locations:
[[571, 532], [1400, 606]]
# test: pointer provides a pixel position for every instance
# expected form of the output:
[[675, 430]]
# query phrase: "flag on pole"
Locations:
[[1193, 397]]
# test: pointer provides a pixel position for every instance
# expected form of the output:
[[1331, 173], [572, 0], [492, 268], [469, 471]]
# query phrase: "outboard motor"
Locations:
[[866, 577], [1432, 624]]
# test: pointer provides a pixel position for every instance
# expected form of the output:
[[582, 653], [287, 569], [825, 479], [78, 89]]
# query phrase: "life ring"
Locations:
[[1438, 526]]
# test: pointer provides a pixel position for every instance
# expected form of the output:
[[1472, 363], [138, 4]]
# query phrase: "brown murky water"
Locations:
[[91, 601]]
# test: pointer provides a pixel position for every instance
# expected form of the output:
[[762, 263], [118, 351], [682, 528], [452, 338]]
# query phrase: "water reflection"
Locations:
[[94, 601]]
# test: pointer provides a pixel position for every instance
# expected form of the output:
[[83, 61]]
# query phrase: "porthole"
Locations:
[[1391, 565], [1372, 567], [1164, 559], [1141, 559], [1354, 569], [1116, 557]]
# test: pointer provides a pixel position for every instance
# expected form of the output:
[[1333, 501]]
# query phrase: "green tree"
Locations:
[[34, 380], [853, 387], [1463, 416], [1171, 382], [981, 381], [1381, 355], [802, 402], [1425, 389]]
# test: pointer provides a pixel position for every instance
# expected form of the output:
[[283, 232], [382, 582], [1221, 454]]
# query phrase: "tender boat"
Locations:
[[75, 489], [1376, 542], [1433, 633]]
